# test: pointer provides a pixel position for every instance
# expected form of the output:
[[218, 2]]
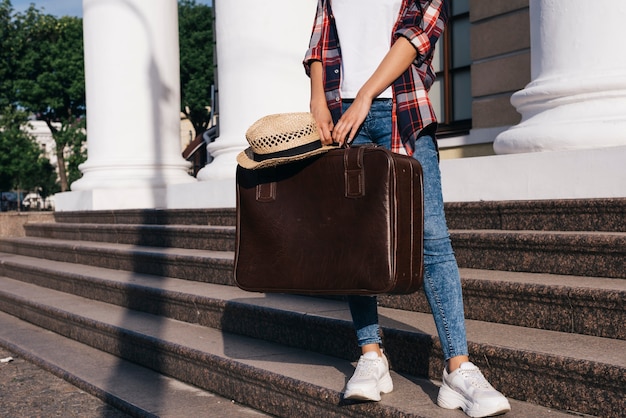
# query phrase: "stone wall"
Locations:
[[500, 51], [12, 223]]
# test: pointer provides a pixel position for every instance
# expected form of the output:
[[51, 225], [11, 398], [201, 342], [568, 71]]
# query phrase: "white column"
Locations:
[[133, 96], [577, 96], [260, 47]]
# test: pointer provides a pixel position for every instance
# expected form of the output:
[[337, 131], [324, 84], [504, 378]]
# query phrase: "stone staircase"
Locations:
[[138, 307]]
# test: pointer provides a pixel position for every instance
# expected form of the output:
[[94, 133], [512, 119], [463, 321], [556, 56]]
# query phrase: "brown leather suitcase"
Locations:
[[347, 222]]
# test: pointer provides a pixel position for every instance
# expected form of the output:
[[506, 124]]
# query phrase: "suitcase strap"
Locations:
[[266, 192]]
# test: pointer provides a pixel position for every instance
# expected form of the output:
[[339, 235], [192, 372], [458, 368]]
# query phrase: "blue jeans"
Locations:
[[442, 282]]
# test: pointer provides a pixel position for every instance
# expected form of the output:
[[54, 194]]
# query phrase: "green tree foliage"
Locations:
[[74, 137], [195, 23], [42, 73], [7, 53], [49, 78], [22, 165]]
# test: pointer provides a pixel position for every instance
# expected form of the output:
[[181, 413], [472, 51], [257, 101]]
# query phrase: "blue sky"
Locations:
[[63, 7]]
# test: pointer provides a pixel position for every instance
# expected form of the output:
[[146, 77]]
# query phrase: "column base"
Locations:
[[137, 176], [575, 174], [209, 194], [224, 164], [568, 113]]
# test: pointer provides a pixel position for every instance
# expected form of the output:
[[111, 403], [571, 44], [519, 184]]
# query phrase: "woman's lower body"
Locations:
[[442, 286], [442, 283]]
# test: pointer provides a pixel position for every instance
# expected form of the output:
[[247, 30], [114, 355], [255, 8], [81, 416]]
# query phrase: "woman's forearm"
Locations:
[[317, 83], [318, 106], [398, 59]]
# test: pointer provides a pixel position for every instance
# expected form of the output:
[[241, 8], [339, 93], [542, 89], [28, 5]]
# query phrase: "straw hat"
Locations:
[[281, 138]]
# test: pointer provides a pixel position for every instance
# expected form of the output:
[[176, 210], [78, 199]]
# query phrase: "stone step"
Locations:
[[600, 254], [136, 390], [551, 215], [222, 238], [555, 215], [565, 371], [144, 392], [191, 264], [548, 215], [583, 305], [153, 262], [597, 254], [201, 237], [215, 217]]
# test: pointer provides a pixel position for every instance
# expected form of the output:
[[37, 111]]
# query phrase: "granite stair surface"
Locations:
[[139, 308]]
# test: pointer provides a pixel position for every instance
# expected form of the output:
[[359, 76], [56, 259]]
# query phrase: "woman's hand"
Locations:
[[350, 122], [324, 122]]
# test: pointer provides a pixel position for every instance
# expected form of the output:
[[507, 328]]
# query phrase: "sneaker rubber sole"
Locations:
[[450, 399], [385, 385]]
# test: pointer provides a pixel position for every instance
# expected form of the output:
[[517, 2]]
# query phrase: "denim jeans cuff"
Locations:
[[368, 335]]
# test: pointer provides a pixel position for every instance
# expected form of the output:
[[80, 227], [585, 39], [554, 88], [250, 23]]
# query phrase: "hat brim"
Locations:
[[246, 158]]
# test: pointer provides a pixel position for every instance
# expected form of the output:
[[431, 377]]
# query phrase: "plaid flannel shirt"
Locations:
[[421, 22]]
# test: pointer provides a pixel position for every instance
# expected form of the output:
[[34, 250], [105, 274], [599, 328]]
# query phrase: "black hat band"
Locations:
[[291, 152]]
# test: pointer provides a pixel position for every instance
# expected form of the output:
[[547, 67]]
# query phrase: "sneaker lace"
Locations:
[[475, 378]]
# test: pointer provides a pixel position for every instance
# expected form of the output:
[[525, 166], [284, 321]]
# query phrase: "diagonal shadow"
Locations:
[[128, 347]]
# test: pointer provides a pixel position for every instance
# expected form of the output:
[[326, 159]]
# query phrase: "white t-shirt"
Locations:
[[364, 29]]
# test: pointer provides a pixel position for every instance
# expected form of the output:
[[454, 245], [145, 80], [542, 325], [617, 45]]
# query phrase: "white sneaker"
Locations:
[[370, 379], [467, 388]]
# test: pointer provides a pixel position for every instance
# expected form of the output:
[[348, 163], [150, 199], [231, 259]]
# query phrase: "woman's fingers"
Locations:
[[348, 125], [324, 122], [325, 131]]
